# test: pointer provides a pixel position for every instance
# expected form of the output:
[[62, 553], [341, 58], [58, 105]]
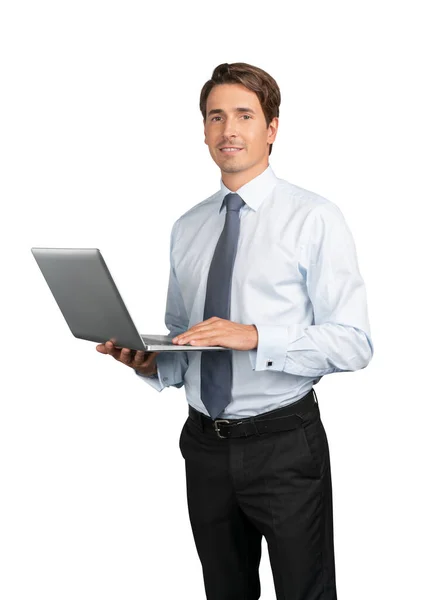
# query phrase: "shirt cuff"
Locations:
[[152, 380], [156, 381], [273, 344], [167, 367]]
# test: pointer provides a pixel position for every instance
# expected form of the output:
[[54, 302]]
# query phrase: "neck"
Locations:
[[234, 181]]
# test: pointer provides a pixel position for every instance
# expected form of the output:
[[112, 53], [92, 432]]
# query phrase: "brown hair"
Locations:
[[253, 78]]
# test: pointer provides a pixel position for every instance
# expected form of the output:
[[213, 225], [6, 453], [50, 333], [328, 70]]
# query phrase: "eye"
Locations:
[[248, 116], [215, 118]]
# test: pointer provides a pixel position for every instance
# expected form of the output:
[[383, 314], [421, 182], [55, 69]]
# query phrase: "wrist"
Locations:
[[254, 337]]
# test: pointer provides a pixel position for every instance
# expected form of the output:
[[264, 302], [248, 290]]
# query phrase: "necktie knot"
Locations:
[[233, 201]]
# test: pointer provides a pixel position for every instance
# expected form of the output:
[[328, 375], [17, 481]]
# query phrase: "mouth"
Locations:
[[230, 150]]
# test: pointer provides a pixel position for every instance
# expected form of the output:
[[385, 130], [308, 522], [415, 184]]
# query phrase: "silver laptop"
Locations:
[[91, 303]]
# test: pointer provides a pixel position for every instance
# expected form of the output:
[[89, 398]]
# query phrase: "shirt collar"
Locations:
[[255, 191]]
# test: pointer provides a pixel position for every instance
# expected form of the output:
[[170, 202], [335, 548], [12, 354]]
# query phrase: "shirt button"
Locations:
[[165, 379]]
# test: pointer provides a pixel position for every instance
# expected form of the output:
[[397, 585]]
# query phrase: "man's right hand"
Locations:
[[143, 362]]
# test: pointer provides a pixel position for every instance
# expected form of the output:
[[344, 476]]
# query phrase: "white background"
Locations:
[[102, 146]]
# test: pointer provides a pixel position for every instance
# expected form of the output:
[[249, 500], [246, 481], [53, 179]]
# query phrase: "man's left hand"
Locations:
[[220, 332]]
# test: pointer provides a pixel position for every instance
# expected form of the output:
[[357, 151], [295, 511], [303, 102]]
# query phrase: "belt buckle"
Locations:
[[223, 437]]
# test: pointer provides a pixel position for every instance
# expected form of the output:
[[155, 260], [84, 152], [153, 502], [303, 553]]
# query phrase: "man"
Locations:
[[269, 271]]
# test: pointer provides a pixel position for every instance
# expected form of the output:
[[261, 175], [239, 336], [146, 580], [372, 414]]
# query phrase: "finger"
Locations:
[[117, 352], [194, 334], [208, 324], [109, 347], [204, 325], [204, 340], [191, 332], [140, 358], [146, 359], [101, 348], [125, 356]]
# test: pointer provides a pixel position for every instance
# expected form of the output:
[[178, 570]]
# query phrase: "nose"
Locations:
[[230, 129]]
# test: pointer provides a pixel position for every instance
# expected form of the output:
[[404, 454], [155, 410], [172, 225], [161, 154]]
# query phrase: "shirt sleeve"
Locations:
[[171, 366], [339, 338]]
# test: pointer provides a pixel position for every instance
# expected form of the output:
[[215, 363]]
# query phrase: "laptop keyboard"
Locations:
[[157, 339]]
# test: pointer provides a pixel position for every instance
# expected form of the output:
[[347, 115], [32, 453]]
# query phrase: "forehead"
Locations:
[[228, 96]]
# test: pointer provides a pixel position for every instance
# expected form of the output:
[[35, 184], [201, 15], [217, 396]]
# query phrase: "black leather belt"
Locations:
[[281, 419]]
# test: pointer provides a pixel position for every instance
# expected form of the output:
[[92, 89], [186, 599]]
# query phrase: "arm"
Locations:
[[339, 339], [171, 366]]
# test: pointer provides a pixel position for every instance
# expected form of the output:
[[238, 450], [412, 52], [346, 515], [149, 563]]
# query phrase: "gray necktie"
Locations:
[[216, 365]]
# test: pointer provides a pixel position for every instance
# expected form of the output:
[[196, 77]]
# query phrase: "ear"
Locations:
[[272, 130], [205, 135]]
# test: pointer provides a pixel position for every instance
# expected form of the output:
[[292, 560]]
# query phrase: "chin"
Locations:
[[231, 168]]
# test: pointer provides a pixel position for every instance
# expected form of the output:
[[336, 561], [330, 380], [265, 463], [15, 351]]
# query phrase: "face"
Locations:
[[235, 119]]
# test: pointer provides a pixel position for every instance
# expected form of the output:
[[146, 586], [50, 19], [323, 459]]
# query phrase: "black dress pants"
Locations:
[[274, 484]]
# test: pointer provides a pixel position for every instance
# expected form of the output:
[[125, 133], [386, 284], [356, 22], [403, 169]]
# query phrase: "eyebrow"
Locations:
[[240, 109]]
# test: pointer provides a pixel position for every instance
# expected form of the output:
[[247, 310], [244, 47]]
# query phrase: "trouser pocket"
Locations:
[[182, 436], [315, 444]]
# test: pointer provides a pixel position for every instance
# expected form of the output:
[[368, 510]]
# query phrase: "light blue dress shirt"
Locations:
[[295, 277]]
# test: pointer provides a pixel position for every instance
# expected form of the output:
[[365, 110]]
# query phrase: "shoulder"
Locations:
[[199, 212], [308, 206], [302, 198], [311, 218]]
